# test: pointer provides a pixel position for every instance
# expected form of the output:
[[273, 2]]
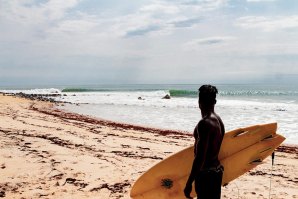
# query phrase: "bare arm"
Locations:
[[201, 150]]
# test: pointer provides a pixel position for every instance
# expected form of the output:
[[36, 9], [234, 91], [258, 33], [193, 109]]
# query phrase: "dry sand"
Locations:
[[47, 153]]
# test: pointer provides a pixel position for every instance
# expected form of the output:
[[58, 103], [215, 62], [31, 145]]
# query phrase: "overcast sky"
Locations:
[[142, 41]]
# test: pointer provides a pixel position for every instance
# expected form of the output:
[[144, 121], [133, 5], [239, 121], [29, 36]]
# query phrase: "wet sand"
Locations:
[[48, 153]]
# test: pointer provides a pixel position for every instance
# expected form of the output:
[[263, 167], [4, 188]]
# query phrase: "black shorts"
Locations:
[[208, 183]]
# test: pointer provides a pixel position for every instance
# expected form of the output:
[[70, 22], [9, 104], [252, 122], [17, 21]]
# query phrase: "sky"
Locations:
[[148, 41]]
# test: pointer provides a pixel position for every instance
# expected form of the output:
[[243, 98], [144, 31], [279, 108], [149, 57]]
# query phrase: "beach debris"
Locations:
[[167, 96], [39, 97], [2, 194], [69, 180], [115, 188], [75, 182], [143, 148], [125, 146], [131, 154], [57, 176]]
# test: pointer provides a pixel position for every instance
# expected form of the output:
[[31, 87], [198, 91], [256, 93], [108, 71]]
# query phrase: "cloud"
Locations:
[[31, 21], [162, 26], [30, 12], [268, 23], [209, 41], [186, 22], [142, 31], [48, 18], [107, 40], [260, 0], [160, 7], [163, 17], [206, 5], [158, 17], [75, 26]]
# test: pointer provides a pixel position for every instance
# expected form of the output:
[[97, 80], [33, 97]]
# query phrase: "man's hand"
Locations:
[[187, 190]]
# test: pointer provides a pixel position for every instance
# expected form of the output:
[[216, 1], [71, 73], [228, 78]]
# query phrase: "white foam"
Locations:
[[149, 99], [183, 113], [35, 91], [178, 113]]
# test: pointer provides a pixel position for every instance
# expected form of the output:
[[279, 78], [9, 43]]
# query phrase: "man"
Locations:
[[206, 169]]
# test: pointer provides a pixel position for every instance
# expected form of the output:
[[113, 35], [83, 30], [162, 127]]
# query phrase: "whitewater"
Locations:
[[238, 105]]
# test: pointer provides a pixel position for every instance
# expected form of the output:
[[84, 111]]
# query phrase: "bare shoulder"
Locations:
[[206, 123], [209, 120]]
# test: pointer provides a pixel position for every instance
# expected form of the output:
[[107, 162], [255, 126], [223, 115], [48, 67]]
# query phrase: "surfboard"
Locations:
[[242, 149]]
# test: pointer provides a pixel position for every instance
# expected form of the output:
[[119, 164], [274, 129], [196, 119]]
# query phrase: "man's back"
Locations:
[[215, 128]]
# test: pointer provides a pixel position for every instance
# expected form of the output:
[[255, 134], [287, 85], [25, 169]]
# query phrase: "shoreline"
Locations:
[[78, 156], [93, 120], [288, 148], [54, 111]]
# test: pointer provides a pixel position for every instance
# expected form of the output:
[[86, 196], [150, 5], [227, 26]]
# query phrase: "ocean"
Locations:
[[239, 105]]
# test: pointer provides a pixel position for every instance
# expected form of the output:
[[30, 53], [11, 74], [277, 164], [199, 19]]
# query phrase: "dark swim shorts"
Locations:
[[208, 183]]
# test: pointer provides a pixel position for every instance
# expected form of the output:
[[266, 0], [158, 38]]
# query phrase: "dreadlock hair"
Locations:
[[207, 95]]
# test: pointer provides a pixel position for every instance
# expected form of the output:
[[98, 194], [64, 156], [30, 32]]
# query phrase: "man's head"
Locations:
[[207, 96]]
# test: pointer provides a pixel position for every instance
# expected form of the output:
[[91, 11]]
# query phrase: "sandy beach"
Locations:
[[49, 153]]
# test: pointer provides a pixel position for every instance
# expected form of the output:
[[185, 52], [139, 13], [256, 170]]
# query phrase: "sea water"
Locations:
[[238, 105]]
